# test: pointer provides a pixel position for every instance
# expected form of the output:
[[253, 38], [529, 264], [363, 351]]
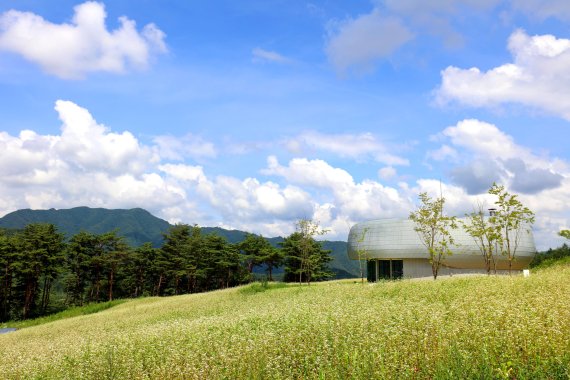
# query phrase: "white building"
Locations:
[[393, 249]]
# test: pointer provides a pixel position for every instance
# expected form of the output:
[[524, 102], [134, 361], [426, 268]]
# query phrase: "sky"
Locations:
[[253, 114]]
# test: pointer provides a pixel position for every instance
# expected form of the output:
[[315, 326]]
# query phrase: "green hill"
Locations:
[[485, 327], [139, 226]]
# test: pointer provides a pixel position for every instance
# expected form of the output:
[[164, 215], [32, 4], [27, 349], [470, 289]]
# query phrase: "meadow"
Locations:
[[473, 327]]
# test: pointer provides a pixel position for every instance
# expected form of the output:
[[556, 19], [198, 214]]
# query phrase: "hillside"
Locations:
[[139, 226], [476, 327]]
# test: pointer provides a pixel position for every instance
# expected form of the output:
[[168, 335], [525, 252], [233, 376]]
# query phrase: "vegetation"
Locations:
[[305, 259], [551, 257], [433, 228], [512, 219], [333, 330], [102, 267], [486, 236]]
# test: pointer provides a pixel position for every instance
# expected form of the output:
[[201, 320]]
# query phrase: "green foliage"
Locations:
[[305, 259], [565, 234], [486, 235], [259, 287], [512, 219], [139, 227], [433, 228], [551, 257], [71, 312]]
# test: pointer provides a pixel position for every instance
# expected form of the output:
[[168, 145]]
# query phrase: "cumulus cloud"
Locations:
[[477, 176], [490, 155], [71, 50], [361, 42], [355, 146], [89, 164], [355, 201], [538, 77]]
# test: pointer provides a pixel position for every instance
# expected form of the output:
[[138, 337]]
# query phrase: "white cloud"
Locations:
[[489, 155], [260, 55], [359, 43], [88, 164], [538, 77], [353, 146], [178, 148], [85, 45], [355, 201]]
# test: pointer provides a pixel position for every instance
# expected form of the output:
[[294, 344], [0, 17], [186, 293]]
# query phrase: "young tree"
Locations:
[[433, 228], [512, 219], [304, 256], [362, 253], [486, 236]]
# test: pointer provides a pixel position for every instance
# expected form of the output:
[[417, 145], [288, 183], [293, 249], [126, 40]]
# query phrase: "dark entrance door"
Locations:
[[390, 269]]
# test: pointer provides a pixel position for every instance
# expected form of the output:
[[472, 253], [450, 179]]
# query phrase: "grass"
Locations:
[[68, 313], [479, 327]]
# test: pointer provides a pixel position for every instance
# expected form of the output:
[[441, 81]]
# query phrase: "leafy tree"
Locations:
[[258, 251], [305, 260], [8, 257], [78, 255], [512, 219], [176, 250], [113, 255], [433, 228], [138, 268], [272, 258], [252, 248], [565, 234], [362, 253], [486, 236], [40, 249]]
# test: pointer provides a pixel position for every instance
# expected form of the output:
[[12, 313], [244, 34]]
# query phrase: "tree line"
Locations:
[[38, 262]]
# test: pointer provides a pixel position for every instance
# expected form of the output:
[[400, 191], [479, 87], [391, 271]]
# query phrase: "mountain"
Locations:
[[136, 225], [139, 226]]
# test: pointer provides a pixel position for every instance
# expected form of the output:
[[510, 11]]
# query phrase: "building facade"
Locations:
[[393, 249]]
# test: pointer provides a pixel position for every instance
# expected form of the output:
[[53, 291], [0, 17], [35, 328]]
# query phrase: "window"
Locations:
[[385, 270]]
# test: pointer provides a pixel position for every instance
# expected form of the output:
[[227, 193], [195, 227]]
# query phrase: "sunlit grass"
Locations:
[[479, 327]]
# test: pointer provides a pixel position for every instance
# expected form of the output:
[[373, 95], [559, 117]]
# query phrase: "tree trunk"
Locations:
[[111, 281]]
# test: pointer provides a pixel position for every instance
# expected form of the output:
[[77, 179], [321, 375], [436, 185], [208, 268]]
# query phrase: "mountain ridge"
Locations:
[[138, 226]]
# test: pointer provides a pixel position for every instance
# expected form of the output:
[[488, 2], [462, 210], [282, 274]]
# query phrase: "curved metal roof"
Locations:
[[397, 239]]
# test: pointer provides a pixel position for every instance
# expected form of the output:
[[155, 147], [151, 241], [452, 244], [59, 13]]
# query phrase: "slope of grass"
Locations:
[[67, 313], [483, 327]]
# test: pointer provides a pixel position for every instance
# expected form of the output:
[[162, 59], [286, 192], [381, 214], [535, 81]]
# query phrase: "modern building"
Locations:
[[393, 249]]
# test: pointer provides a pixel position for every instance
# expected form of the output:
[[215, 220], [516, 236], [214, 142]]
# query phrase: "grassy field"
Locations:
[[478, 327]]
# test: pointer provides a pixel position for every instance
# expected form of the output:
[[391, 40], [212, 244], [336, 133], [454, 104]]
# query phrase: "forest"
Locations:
[[42, 272]]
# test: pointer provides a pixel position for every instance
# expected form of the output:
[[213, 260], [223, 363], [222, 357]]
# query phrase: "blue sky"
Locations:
[[253, 114]]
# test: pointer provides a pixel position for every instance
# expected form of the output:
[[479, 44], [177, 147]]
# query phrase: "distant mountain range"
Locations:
[[139, 226]]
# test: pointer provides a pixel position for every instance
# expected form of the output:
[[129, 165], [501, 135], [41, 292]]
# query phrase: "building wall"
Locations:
[[417, 268], [396, 239]]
